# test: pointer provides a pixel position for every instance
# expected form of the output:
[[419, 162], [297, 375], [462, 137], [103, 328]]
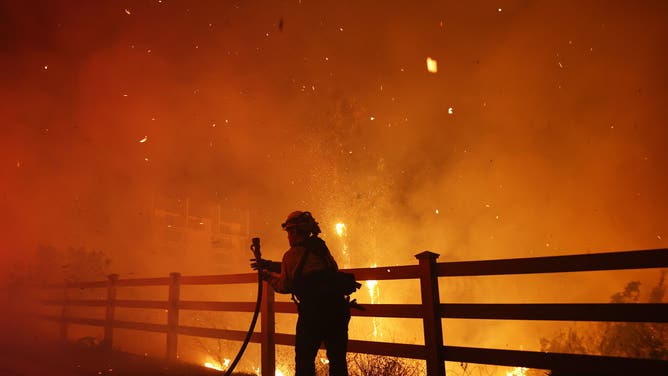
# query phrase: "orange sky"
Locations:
[[556, 142]]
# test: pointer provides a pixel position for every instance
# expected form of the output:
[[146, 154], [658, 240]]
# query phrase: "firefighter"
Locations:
[[306, 272]]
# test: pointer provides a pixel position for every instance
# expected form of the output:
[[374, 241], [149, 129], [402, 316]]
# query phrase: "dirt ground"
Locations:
[[70, 360]]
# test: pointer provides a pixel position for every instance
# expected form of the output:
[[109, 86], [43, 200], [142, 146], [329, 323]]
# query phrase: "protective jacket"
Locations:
[[318, 259]]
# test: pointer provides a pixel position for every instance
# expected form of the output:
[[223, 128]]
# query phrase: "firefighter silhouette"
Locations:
[[307, 271]]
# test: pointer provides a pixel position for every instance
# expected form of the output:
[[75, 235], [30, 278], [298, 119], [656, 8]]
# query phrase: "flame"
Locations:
[[374, 295], [212, 366], [278, 373], [519, 371], [342, 231], [432, 65], [216, 365]]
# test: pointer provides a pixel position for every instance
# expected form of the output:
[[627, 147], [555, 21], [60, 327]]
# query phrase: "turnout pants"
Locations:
[[322, 320]]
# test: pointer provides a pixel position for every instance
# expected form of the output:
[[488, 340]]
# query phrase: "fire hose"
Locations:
[[255, 247]]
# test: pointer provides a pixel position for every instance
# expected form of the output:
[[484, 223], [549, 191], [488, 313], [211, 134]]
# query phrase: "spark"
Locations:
[[143, 139], [500, 10], [436, 211], [451, 110], [560, 65], [18, 164], [127, 11], [372, 118], [324, 360], [46, 67], [432, 65], [659, 237]]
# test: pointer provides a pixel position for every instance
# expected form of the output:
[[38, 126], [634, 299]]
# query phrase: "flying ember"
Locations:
[[432, 65]]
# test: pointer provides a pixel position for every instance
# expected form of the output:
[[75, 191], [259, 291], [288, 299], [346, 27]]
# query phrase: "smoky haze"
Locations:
[[542, 132]]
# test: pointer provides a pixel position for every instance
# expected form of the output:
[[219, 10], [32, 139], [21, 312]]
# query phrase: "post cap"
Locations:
[[427, 255]]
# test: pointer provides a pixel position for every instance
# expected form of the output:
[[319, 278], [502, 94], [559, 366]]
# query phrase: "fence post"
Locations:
[[268, 327], [111, 307], [63, 314], [431, 319], [173, 315]]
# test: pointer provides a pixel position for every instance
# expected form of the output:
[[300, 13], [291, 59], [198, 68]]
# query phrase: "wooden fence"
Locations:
[[431, 312]]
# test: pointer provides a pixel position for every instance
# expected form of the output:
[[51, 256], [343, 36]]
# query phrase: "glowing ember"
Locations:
[[432, 65], [341, 229], [519, 371]]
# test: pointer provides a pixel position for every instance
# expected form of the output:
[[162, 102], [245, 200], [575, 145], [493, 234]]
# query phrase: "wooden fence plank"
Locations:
[[580, 364], [226, 279], [622, 312], [217, 306], [656, 258], [233, 335]]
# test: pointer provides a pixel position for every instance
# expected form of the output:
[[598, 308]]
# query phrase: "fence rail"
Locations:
[[431, 312]]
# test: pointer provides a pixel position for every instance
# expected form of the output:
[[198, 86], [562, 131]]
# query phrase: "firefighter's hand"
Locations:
[[262, 264]]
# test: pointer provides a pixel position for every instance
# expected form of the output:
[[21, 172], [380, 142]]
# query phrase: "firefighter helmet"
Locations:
[[303, 221]]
